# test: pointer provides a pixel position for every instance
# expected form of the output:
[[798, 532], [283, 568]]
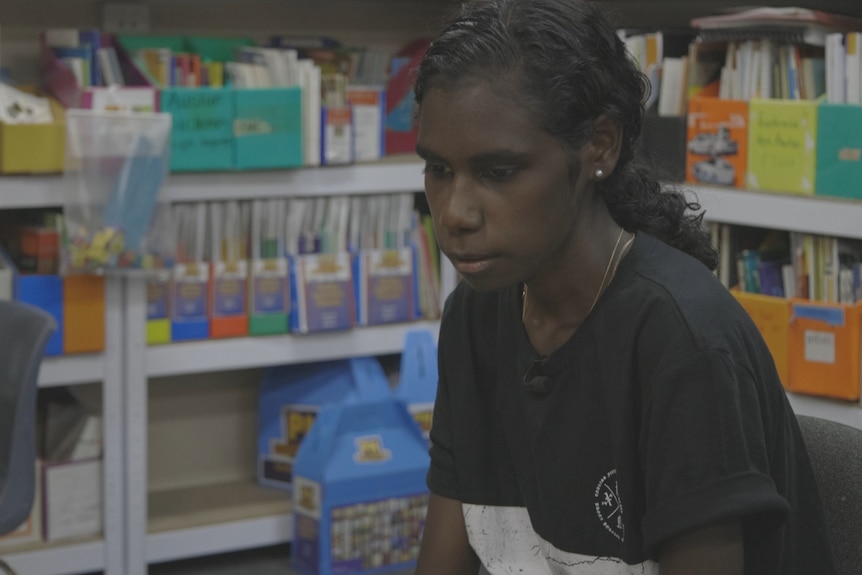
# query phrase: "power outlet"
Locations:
[[126, 18]]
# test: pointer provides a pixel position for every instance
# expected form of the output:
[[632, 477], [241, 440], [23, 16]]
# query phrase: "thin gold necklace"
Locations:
[[604, 277]]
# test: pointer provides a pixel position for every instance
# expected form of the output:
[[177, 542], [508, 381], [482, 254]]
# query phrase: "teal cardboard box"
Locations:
[[839, 151], [359, 494], [417, 386], [202, 137], [268, 128], [290, 398]]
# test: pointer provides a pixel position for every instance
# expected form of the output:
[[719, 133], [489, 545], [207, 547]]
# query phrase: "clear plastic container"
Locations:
[[116, 165]]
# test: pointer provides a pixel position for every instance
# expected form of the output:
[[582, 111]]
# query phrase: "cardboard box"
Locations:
[[72, 499], [716, 144], [824, 349], [417, 386], [385, 286], [269, 297], [368, 105], [782, 146], [159, 308], [336, 137], [324, 293], [359, 496], [839, 151], [189, 301], [228, 299], [268, 128], [771, 315], [202, 137], [34, 148], [290, 398], [83, 314]]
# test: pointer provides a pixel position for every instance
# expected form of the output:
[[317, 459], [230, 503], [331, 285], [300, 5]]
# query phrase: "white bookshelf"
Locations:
[[72, 370], [104, 553], [811, 214], [396, 174], [249, 352], [165, 525], [57, 559], [186, 523]]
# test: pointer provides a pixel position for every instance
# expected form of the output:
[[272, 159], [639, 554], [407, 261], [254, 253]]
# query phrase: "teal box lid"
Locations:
[[268, 128], [839, 151], [202, 135], [289, 401]]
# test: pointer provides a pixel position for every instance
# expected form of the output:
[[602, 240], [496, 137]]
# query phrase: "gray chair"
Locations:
[[835, 450], [24, 332]]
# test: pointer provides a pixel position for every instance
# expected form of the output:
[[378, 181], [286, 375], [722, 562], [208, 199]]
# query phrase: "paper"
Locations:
[[73, 500]]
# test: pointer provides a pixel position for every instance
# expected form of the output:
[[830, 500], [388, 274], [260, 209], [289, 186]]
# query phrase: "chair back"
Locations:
[[835, 451], [24, 332]]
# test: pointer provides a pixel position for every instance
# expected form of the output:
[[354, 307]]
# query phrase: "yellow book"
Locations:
[[215, 74], [782, 146]]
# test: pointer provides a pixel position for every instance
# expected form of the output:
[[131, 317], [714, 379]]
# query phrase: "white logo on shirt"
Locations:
[[609, 506]]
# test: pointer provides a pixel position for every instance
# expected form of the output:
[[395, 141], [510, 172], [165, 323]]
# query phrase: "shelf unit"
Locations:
[[183, 523], [180, 523], [106, 553], [176, 524]]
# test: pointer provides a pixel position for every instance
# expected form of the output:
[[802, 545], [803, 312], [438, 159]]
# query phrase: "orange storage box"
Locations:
[[824, 349], [771, 315]]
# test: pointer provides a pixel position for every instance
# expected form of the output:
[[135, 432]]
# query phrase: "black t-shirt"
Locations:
[[665, 413]]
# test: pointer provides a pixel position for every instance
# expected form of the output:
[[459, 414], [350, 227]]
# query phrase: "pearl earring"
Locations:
[[599, 173]]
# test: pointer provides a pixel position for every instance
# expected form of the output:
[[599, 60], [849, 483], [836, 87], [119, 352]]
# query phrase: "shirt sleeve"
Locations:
[[703, 450]]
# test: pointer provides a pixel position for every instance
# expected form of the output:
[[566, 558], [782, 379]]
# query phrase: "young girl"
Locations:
[[604, 404]]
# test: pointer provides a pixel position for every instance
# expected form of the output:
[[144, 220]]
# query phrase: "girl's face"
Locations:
[[501, 192]]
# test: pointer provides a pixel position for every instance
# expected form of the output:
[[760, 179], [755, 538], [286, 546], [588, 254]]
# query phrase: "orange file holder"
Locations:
[[771, 315], [824, 349], [228, 299], [83, 314]]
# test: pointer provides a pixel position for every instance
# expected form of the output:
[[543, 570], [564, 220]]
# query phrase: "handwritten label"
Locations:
[[249, 127], [202, 134], [268, 128], [820, 347], [782, 138], [849, 154]]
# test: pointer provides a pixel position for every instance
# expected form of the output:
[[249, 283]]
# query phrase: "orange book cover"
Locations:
[[771, 315], [717, 141], [824, 349]]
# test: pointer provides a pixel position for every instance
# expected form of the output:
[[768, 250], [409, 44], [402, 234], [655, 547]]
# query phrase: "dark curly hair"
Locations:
[[573, 68]]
